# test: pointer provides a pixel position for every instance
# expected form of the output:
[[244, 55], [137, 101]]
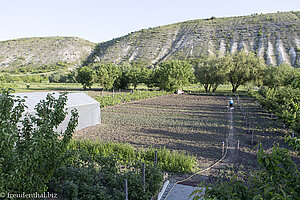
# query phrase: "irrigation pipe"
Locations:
[[208, 168]]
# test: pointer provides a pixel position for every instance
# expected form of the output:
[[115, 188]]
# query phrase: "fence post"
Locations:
[[113, 91], [223, 146], [252, 137], [126, 189], [238, 147], [124, 97], [293, 134], [144, 177], [155, 159]]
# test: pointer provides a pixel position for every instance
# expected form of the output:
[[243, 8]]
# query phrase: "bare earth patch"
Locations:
[[194, 124]]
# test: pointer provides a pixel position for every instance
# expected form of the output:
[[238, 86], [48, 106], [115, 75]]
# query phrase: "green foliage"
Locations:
[[58, 77], [85, 76], [111, 100], [7, 78], [244, 68], [174, 74], [123, 81], [282, 75], [97, 171], [211, 72], [30, 147], [107, 74], [282, 101], [277, 179], [125, 154]]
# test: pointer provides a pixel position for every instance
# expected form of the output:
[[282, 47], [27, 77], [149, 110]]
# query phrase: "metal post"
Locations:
[[144, 177], [252, 137], [238, 147], [124, 97], [223, 148], [126, 189], [155, 160]]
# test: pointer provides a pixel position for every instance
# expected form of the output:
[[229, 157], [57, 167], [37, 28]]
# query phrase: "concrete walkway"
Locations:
[[179, 192]]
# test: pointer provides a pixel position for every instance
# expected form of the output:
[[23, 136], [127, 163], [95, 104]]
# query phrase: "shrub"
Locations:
[[30, 147]]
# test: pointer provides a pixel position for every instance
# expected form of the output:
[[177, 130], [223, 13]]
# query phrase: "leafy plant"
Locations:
[[85, 76], [32, 141]]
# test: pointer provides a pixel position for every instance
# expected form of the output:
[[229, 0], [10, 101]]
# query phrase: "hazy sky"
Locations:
[[103, 20]]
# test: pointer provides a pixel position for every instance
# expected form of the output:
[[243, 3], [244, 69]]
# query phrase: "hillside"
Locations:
[[274, 37], [43, 51]]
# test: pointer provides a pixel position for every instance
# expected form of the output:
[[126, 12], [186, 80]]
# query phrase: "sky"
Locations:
[[103, 20]]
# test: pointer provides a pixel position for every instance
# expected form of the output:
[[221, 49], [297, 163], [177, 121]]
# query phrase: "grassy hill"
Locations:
[[274, 37], [43, 51]]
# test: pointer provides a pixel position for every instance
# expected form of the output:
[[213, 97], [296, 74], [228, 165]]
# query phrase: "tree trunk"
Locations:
[[206, 88]]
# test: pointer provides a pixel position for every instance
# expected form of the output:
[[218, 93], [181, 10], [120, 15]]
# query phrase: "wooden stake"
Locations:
[[223, 148]]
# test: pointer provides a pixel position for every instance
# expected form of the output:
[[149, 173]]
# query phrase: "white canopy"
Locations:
[[88, 108]]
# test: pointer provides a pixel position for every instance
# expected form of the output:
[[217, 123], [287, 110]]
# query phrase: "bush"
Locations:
[[172, 161], [30, 140], [91, 175]]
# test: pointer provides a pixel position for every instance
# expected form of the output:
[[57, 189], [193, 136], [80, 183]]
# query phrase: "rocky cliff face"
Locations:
[[44, 50], [273, 37]]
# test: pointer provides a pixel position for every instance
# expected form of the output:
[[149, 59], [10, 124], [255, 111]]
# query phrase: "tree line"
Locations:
[[237, 69]]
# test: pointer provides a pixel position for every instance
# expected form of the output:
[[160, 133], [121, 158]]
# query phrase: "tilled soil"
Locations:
[[191, 123], [195, 124]]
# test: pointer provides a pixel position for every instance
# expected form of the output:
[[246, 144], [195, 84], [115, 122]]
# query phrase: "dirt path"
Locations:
[[232, 142]]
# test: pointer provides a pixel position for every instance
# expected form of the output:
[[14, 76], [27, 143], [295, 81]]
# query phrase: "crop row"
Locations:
[[172, 161], [114, 99]]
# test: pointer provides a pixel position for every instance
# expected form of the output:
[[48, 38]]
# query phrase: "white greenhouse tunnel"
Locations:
[[88, 108]]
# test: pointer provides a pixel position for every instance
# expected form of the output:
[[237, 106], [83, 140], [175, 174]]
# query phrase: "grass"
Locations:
[[172, 161]]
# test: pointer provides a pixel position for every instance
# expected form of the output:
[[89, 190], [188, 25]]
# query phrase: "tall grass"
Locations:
[[172, 161]]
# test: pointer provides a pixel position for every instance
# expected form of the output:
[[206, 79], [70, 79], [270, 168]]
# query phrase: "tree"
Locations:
[[123, 81], [174, 74], [85, 76], [107, 74], [244, 68], [211, 72], [30, 147], [134, 76], [282, 75]]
